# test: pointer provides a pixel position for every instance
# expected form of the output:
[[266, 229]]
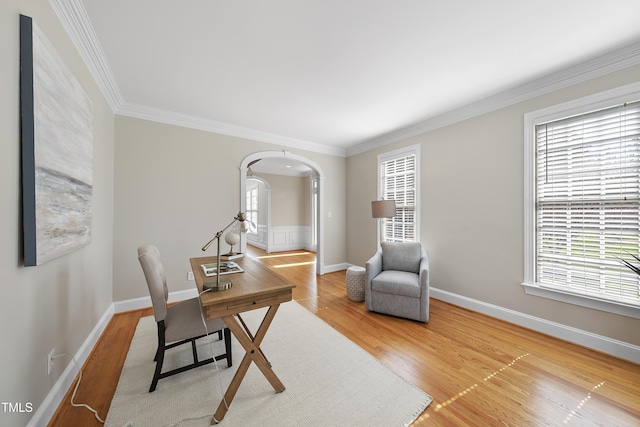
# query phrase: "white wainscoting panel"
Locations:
[[290, 238]]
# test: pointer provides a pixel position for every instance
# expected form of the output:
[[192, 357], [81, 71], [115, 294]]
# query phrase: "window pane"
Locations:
[[588, 203], [398, 182]]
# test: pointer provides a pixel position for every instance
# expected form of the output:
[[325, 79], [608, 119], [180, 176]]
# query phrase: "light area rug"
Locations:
[[329, 380]]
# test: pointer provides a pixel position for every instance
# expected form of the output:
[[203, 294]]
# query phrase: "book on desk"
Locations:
[[230, 256], [227, 267]]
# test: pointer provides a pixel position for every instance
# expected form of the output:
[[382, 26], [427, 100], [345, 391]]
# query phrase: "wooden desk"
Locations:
[[257, 287]]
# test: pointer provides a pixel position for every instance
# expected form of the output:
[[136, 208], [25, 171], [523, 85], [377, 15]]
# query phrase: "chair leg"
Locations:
[[162, 347], [195, 352], [227, 346], [159, 357]]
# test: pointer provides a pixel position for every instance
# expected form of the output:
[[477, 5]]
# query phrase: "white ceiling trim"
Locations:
[[188, 121], [610, 62], [75, 21]]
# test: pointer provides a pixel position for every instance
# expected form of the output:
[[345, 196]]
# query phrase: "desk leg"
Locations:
[[253, 354]]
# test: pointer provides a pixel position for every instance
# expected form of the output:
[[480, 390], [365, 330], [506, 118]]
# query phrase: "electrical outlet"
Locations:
[[190, 275], [50, 361]]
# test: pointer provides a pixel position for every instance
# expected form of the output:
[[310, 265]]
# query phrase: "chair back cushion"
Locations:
[[401, 256], [149, 257]]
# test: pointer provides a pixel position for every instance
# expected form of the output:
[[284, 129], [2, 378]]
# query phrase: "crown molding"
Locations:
[[192, 122], [75, 21], [613, 61]]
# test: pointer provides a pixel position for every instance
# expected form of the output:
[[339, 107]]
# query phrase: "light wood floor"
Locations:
[[479, 370]]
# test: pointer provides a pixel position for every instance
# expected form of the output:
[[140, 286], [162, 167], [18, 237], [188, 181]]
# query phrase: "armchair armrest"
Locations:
[[424, 286], [424, 263], [373, 267]]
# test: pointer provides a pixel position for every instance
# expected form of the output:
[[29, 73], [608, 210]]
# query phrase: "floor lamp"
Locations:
[[383, 209]]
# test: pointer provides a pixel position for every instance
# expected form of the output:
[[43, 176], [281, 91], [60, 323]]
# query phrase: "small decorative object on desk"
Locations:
[[225, 268], [232, 238]]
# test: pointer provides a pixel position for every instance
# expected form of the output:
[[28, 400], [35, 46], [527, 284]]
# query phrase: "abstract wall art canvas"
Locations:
[[57, 151]]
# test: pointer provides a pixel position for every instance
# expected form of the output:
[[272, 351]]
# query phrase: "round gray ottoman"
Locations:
[[355, 283]]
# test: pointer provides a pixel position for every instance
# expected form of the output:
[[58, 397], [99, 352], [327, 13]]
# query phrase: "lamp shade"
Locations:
[[383, 208]]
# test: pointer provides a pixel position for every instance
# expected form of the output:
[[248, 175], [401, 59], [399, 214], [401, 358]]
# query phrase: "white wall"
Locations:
[[176, 187], [290, 215], [289, 199], [57, 304], [472, 211]]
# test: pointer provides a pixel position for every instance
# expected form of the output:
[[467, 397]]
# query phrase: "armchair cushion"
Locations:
[[401, 256], [397, 283]]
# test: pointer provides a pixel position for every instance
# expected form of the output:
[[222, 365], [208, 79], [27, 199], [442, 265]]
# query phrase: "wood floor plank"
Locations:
[[480, 371]]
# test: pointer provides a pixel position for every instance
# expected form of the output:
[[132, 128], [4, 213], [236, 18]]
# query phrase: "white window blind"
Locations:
[[588, 203], [398, 182]]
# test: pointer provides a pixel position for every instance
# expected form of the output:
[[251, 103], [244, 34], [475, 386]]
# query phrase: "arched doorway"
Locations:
[[317, 180]]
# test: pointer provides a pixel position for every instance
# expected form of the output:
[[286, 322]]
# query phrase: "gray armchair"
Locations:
[[397, 281]]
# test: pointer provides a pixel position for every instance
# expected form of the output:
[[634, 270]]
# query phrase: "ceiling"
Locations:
[[331, 75]]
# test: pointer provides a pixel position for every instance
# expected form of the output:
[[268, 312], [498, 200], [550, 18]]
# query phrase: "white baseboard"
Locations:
[[144, 302], [620, 349], [257, 244], [45, 411], [334, 267]]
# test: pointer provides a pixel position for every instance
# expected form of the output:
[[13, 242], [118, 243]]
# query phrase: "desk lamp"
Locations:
[[223, 284]]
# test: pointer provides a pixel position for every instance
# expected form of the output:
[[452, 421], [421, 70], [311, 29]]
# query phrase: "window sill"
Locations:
[[582, 300]]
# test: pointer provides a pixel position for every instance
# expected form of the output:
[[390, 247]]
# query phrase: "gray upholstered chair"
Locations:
[[397, 281], [178, 323]]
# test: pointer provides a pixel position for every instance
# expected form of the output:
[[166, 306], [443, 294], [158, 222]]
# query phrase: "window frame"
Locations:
[[594, 102], [393, 155]]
